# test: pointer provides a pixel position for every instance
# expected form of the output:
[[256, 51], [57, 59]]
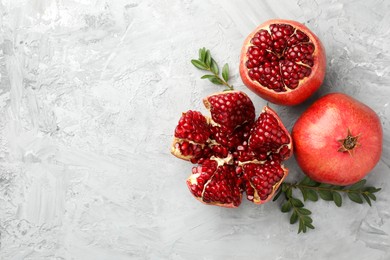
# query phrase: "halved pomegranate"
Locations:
[[235, 153], [283, 61]]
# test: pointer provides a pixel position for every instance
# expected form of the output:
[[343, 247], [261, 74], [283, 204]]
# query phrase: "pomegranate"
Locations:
[[337, 140], [283, 61], [235, 153]]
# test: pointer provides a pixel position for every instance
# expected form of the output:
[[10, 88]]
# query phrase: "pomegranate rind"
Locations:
[[316, 136], [307, 86]]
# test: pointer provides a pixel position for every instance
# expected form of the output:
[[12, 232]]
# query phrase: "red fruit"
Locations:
[[283, 61], [235, 153], [337, 140]]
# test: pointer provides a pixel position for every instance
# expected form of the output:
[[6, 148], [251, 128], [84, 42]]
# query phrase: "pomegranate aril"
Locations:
[[293, 72], [230, 109], [263, 177], [193, 126], [302, 52], [267, 135]]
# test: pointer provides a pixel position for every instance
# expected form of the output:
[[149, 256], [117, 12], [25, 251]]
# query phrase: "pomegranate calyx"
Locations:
[[349, 143]]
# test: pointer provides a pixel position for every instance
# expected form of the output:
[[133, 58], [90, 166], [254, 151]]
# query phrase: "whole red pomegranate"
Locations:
[[337, 140], [235, 153], [283, 61]]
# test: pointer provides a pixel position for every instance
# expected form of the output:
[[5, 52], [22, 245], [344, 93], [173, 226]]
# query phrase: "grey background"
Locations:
[[90, 93]]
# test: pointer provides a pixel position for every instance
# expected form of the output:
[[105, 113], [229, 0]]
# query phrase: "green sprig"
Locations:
[[312, 190], [207, 63]]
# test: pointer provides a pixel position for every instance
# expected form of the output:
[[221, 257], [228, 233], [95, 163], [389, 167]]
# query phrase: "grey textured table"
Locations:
[[90, 94]]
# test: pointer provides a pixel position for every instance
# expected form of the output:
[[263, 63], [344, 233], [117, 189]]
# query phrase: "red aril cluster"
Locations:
[[235, 152]]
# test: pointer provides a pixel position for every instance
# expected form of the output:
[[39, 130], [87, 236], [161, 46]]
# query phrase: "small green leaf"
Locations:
[[225, 72], [304, 193], [284, 187], [309, 225], [202, 54], [337, 198], [208, 59], [216, 81], [367, 199], [304, 211], [207, 76], [371, 196], [324, 185], [277, 194], [312, 195], [286, 207], [325, 195], [355, 197], [214, 67], [200, 65], [294, 218], [289, 192], [302, 226], [309, 182], [372, 189], [358, 185], [297, 203], [307, 219]]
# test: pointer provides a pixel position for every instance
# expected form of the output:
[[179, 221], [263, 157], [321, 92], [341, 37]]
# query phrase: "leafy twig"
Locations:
[[312, 190], [207, 63]]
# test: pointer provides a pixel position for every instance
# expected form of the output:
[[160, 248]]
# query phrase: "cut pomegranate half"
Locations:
[[283, 62]]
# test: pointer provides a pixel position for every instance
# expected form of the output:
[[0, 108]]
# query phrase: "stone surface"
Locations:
[[90, 94]]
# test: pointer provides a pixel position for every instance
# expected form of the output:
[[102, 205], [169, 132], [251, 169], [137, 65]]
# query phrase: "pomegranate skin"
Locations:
[[317, 134], [307, 87]]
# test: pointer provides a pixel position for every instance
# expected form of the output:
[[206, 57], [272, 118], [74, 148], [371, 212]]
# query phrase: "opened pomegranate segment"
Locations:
[[234, 153], [283, 62]]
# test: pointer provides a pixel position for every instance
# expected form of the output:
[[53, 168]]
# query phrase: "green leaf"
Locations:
[[309, 182], [214, 67], [202, 54], [309, 225], [355, 197], [304, 211], [337, 198], [208, 76], [367, 199], [312, 195], [200, 65], [302, 226], [325, 195], [294, 218], [225, 72], [358, 185], [297, 203], [284, 187], [304, 193], [286, 207], [372, 189], [277, 194], [307, 219], [371, 196], [324, 185], [288, 192], [208, 59], [216, 81]]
